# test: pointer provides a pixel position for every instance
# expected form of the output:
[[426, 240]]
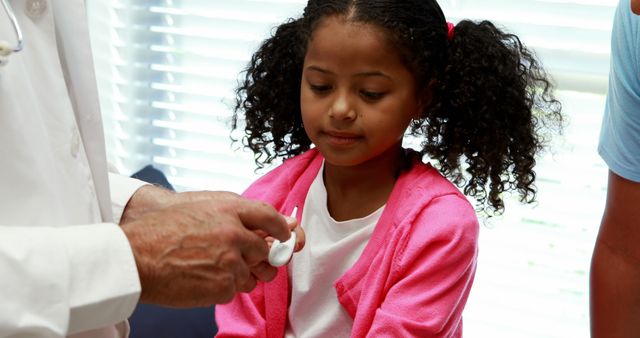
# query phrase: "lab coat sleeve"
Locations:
[[122, 188], [62, 280]]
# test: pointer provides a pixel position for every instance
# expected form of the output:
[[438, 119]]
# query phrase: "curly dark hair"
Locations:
[[491, 99]]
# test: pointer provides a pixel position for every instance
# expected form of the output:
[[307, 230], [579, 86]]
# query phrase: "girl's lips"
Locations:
[[342, 135], [341, 138]]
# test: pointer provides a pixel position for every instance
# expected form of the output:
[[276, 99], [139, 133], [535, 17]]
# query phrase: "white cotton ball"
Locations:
[[5, 48], [280, 253]]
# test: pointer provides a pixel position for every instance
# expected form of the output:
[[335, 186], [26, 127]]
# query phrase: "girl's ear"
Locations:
[[424, 98]]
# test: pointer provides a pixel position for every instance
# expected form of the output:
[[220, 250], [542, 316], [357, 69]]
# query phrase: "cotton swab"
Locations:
[[281, 252]]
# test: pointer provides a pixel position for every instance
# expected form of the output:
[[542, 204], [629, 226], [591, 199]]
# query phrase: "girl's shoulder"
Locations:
[[432, 222], [435, 213], [426, 199], [424, 181]]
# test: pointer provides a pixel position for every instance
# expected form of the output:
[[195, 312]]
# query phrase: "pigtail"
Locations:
[[269, 97], [490, 104]]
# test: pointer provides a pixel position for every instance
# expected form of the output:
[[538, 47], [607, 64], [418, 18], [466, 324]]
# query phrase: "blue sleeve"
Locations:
[[620, 134]]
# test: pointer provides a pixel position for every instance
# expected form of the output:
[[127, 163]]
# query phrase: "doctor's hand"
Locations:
[[151, 198], [204, 250]]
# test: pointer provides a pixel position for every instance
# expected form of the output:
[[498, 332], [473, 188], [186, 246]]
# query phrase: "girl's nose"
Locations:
[[342, 109]]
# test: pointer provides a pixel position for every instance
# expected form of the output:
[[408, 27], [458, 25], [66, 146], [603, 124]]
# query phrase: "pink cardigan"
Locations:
[[413, 278]]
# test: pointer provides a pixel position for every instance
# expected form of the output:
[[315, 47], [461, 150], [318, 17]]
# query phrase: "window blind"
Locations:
[[167, 70]]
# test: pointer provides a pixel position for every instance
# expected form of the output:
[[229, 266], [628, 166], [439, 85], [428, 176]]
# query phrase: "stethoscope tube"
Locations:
[[7, 49]]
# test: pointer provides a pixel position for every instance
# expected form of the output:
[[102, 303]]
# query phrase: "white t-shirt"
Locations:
[[331, 249]]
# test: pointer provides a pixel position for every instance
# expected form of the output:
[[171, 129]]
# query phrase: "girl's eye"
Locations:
[[320, 88], [371, 96]]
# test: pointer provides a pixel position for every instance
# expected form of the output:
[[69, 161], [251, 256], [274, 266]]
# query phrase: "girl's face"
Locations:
[[357, 97]]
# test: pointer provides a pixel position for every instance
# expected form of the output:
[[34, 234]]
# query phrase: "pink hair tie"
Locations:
[[450, 30]]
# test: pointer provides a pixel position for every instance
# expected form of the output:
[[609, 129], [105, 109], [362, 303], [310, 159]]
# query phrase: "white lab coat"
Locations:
[[65, 267]]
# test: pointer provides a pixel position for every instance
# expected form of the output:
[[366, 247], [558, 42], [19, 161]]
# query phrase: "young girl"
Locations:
[[391, 244]]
